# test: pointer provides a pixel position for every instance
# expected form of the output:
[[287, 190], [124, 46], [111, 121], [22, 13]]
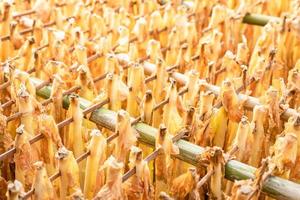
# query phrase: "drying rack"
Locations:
[[274, 186]]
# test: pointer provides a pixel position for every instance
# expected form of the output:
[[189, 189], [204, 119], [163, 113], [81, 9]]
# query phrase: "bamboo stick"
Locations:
[[274, 186], [31, 11], [153, 155], [61, 124]]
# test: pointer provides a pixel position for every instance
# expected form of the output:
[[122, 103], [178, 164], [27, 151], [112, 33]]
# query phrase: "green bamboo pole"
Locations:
[[274, 186], [257, 19]]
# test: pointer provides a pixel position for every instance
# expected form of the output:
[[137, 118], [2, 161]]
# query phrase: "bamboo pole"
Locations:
[[250, 101], [274, 186], [257, 19]]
